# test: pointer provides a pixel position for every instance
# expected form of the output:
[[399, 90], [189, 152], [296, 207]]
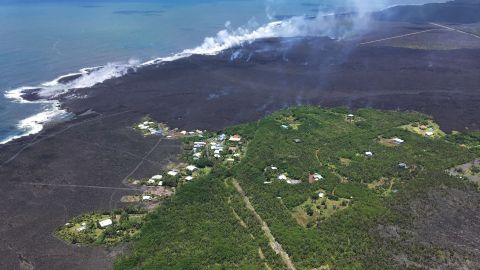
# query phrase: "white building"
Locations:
[[105, 223], [321, 195], [368, 154], [429, 134], [282, 177], [397, 141], [189, 178], [172, 173], [146, 197], [317, 177], [293, 182], [157, 177], [191, 168]]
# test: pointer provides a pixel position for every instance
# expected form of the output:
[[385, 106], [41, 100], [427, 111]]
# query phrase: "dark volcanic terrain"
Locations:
[[81, 165]]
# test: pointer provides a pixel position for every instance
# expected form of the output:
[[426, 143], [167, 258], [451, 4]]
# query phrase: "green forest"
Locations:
[[337, 222]]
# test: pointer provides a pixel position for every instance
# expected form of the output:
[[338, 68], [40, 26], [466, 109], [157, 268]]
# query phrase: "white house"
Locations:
[[429, 134], [142, 126], [216, 156], [321, 195], [350, 116], [157, 177], [189, 178], [197, 155], [160, 183], [293, 182], [368, 154], [191, 168], [172, 173], [397, 141], [317, 177], [284, 126], [183, 132], [282, 177], [273, 168], [105, 223], [230, 159]]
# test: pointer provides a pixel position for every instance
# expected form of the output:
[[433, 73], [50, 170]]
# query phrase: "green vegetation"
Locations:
[[207, 225], [88, 229]]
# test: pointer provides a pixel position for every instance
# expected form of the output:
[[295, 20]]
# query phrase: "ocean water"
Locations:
[[43, 40]]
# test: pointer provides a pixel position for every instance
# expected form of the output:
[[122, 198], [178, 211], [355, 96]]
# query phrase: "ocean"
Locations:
[[41, 41]]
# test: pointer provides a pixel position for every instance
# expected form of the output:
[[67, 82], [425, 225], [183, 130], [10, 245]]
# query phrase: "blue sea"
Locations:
[[42, 40]]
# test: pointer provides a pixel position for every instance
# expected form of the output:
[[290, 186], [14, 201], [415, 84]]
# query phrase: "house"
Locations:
[[284, 126], [312, 178], [172, 173], [197, 155], [189, 178], [321, 195], [183, 132], [151, 181], [160, 183], [350, 116], [273, 168], [236, 155], [429, 134], [235, 138], [282, 177], [403, 165], [297, 141], [397, 141], [200, 144], [368, 154], [267, 182], [216, 156], [157, 177], [199, 131], [82, 227], [230, 159], [142, 126], [105, 223], [146, 197], [191, 168], [293, 181], [216, 152]]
